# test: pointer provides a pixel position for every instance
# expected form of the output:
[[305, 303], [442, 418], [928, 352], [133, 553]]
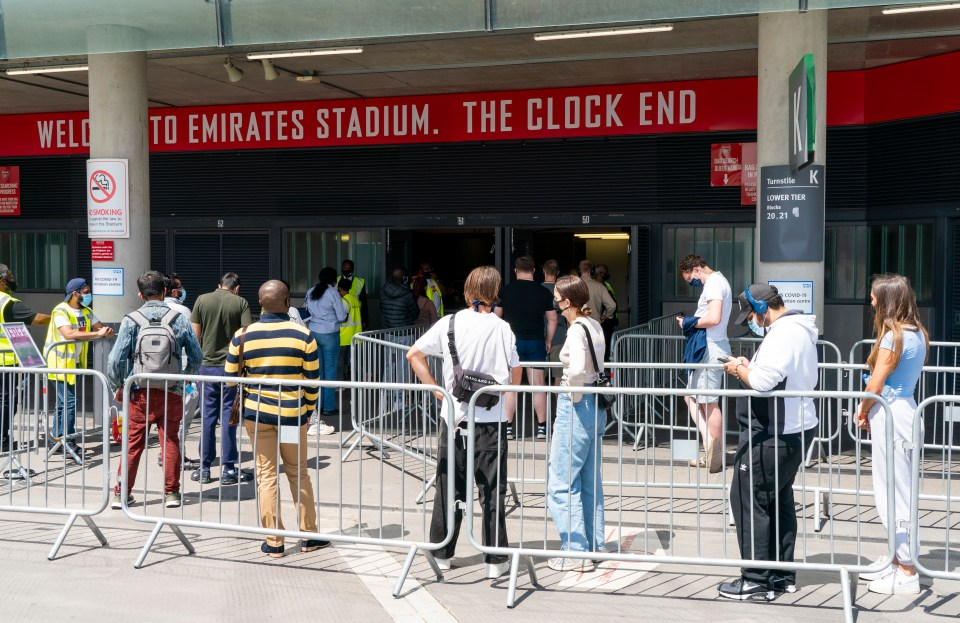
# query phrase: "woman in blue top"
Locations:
[[896, 360], [327, 311]]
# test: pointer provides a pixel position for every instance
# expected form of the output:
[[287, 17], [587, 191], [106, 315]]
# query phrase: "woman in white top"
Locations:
[[575, 489], [895, 363]]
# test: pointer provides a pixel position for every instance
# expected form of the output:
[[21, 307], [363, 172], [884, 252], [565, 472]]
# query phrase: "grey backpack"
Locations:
[[156, 350]]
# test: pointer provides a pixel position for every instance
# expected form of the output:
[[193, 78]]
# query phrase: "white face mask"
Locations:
[[755, 328]]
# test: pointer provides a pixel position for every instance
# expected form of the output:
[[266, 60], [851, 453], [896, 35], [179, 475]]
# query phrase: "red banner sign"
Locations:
[[703, 106], [9, 191], [748, 174], [725, 167], [101, 250]]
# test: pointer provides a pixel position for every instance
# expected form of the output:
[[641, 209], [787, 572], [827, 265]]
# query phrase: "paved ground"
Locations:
[[228, 579]]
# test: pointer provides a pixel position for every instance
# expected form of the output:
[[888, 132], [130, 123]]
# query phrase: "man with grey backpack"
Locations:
[[151, 340]]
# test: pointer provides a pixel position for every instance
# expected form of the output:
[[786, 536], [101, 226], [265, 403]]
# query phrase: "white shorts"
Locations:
[[703, 380]]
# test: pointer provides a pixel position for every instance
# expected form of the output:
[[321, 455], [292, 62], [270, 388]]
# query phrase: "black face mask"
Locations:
[[12, 284], [556, 307]]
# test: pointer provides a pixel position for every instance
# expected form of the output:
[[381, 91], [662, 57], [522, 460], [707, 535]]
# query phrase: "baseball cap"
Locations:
[[74, 285], [759, 292]]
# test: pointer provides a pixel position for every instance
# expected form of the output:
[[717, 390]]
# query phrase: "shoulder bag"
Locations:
[[467, 382], [238, 400]]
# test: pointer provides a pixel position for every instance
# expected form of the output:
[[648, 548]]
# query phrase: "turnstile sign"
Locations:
[[791, 214]]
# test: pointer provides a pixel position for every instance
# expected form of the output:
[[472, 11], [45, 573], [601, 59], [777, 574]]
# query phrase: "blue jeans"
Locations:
[[66, 402], [575, 488], [217, 402], [328, 350]]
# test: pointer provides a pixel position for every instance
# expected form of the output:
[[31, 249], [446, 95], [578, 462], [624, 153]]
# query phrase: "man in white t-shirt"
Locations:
[[484, 343], [713, 313]]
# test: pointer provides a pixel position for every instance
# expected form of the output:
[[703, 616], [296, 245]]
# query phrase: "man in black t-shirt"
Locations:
[[525, 304]]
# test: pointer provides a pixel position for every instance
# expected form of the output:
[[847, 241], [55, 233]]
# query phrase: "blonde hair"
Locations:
[[482, 284], [896, 307], [575, 290]]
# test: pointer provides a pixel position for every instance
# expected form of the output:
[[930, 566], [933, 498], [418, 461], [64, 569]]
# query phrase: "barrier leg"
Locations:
[[406, 570], [62, 536], [849, 595], [808, 460], [352, 447], [343, 443], [153, 537], [532, 571], [423, 494], [183, 539], [513, 493], [96, 530], [822, 509], [433, 565], [512, 588]]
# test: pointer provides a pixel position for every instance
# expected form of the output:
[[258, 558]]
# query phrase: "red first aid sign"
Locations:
[[101, 250], [9, 191], [725, 164]]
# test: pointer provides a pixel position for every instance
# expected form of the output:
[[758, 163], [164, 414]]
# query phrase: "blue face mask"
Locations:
[[755, 328], [183, 295], [696, 283], [86, 299]]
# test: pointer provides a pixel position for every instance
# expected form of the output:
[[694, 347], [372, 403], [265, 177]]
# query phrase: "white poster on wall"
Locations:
[[796, 295], [107, 281], [108, 201]]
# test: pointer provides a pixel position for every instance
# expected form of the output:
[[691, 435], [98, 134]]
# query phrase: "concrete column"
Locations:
[[118, 129], [783, 40]]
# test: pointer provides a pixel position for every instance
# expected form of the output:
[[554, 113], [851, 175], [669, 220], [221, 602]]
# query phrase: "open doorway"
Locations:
[[452, 254]]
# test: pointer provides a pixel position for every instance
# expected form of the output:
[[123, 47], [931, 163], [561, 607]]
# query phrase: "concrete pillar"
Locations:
[[783, 40], [118, 129]]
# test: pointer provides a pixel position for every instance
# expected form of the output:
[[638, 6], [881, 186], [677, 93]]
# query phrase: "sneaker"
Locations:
[[312, 431], [896, 583], [271, 550], [714, 457], [232, 477], [201, 475], [496, 569], [510, 434], [742, 590], [445, 564], [313, 545], [117, 504], [172, 500], [571, 564], [784, 586], [191, 464], [321, 429], [878, 570], [541, 431]]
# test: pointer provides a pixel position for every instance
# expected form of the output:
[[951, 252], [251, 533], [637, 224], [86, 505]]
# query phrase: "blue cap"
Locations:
[[74, 285]]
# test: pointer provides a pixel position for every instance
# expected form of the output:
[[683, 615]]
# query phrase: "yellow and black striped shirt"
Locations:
[[277, 349]]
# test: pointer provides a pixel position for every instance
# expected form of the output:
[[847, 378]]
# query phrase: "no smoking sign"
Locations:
[[108, 208]]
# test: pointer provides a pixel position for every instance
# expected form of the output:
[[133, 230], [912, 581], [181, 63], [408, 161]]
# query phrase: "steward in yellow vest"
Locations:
[[357, 290]]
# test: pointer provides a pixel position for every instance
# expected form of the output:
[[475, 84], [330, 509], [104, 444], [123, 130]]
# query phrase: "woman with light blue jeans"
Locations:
[[327, 312], [575, 485]]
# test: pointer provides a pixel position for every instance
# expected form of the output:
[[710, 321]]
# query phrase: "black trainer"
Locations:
[[201, 475], [313, 545], [743, 590]]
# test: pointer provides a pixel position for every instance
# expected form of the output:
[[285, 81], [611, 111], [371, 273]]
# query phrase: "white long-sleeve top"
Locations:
[[578, 370]]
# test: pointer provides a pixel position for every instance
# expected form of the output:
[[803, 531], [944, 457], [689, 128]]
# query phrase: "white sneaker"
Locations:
[[878, 571], [571, 564], [443, 563], [495, 570], [320, 429], [896, 583]]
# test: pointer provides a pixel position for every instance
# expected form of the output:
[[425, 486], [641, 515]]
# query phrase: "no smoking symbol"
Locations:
[[102, 186]]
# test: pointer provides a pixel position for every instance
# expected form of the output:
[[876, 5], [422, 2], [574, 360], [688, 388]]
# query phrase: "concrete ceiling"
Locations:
[[697, 49]]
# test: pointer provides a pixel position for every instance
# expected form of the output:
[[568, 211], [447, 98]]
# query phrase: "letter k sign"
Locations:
[[799, 134]]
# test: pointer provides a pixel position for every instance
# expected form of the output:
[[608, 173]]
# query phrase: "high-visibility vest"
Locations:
[[352, 325], [7, 358], [433, 294], [67, 355], [356, 285], [613, 295]]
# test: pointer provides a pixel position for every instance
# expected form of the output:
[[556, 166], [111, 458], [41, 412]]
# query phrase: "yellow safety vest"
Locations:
[[67, 355], [613, 295], [7, 358], [356, 286], [352, 325], [433, 294]]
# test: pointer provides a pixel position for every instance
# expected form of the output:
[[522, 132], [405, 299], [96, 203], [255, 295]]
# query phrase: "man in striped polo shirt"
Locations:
[[277, 349]]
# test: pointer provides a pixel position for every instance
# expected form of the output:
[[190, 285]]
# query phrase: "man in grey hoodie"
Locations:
[[775, 434]]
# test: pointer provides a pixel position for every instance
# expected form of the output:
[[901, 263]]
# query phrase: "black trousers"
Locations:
[[490, 463], [8, 406], [762, 501]]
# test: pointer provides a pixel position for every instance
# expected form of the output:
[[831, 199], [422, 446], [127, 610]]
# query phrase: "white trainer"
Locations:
[[495, 570], [571, 564], [878, 570], [320, 429], [445, 564], [896, 583]]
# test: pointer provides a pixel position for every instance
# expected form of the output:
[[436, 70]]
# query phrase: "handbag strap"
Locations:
[[450, 341], [593, 352]]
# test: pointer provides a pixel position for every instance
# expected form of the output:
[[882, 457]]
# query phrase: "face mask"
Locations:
[[86, 299], [348, 274], [556, 307], [696, 283], [755, 328], [183, 295], [12, 284]]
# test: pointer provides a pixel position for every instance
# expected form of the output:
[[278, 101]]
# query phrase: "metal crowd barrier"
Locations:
[[662, 325], [933, 471], [658, 496], [355, 511], [42, 474]]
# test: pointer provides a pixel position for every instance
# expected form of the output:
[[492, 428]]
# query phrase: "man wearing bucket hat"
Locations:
[[73, 322], [774, 436]]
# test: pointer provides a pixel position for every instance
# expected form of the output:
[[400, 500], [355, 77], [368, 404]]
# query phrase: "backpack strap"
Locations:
[[450, 340], [167, 319]]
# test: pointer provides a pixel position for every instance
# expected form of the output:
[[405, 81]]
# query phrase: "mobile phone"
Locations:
[[726, 358]]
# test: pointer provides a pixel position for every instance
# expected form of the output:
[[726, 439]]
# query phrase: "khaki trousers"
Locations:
[[294, 458]]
